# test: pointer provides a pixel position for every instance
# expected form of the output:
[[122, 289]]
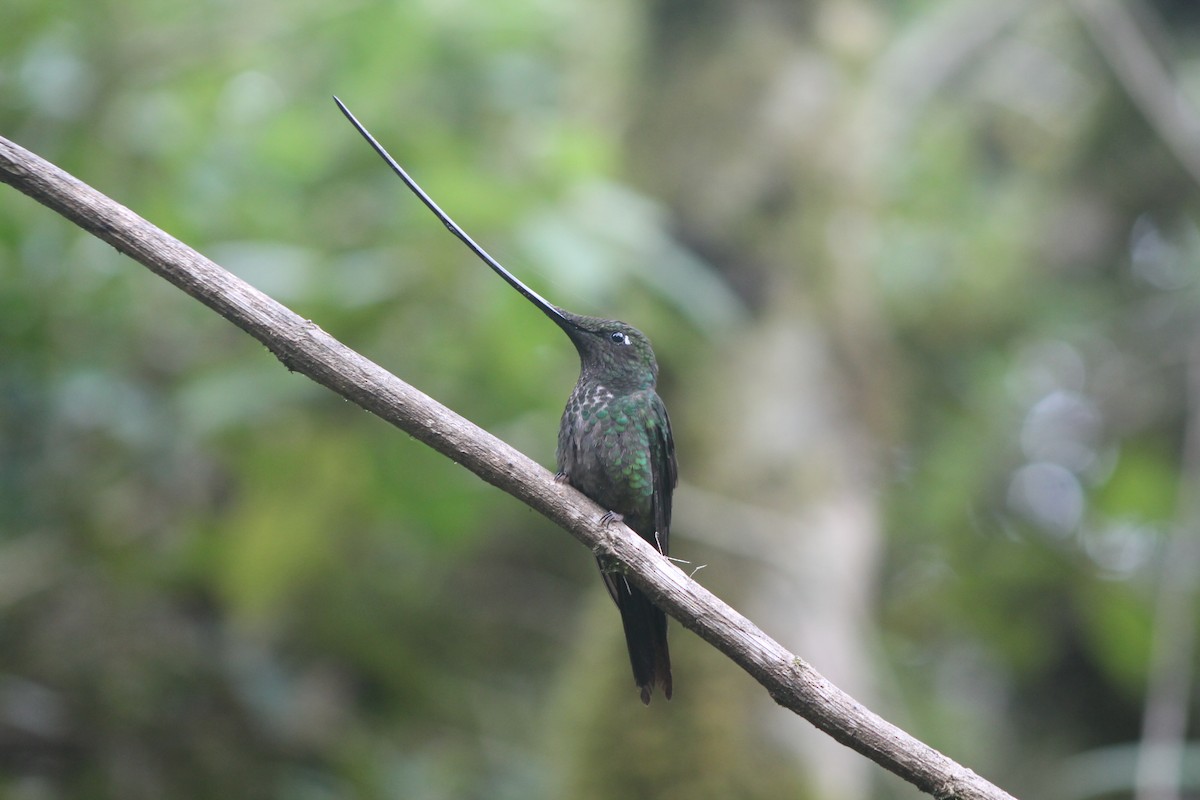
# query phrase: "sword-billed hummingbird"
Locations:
[[614, 442]]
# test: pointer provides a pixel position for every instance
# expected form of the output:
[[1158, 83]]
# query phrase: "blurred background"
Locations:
[[923, 281]]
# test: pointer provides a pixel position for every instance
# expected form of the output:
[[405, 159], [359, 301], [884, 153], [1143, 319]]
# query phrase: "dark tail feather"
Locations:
[[646, 637]]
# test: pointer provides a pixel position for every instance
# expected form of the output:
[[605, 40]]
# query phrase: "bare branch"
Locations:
[[303, 347]]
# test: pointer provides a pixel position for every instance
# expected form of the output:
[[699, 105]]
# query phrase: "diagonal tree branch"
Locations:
[[303, 347]]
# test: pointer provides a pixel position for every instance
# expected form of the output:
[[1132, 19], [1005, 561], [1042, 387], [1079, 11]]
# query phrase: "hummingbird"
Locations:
[[614, 442]]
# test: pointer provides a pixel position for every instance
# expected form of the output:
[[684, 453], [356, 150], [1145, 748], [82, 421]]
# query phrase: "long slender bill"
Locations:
[[548, 308]]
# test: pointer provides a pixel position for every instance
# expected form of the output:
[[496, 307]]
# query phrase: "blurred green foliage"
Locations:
[[216, 579]]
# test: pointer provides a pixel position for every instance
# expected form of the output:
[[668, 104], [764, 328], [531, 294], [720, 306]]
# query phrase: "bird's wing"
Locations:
[[664, 471]]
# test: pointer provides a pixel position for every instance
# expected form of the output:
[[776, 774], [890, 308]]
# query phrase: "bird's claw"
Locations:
[[610, 517]]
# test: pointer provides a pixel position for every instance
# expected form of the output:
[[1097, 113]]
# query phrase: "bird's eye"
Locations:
[[619, 337]]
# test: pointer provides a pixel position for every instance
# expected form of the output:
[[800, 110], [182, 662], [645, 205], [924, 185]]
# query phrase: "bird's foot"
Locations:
[[561, 477], [610, 517]]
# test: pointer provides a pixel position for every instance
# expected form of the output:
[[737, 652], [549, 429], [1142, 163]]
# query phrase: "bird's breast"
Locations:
[[604, 449]]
